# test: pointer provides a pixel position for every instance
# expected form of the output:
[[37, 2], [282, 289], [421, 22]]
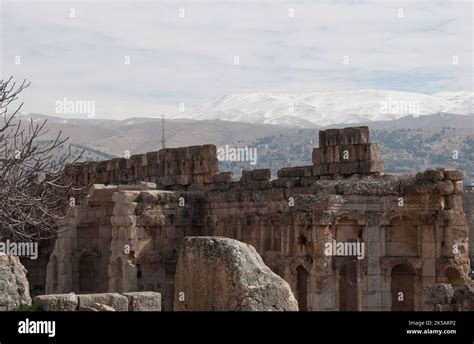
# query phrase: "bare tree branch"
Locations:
[[33, 195]]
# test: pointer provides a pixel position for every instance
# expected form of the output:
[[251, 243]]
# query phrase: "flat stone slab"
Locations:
[[144, 301]]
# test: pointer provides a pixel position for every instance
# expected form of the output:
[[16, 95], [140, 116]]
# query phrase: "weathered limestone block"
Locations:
[[347, 168], [152, 158], [454, 202], [210, 165], [14, 287], [346, 136], [331, 154], [370, 166], [454, 175], [114, 300], [441, 293], [167, 180], [124, 221], [184, 179], [433, 175], [298, 171], [458, 187], [335, 168], [223, 177], [151, 220], [203, 178], [319, 170], [125, 196], [285, 182], [208, 151], [223, 274], [143, 301], [262, 174], [125, 209], [445, 187], [362, 152], [464, 298], [57, 302], [183, 153]]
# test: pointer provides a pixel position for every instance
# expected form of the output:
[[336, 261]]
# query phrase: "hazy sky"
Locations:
[[186, 52]]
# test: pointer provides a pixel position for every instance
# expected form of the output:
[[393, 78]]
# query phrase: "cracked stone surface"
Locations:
[[14, 287], [221, 274]]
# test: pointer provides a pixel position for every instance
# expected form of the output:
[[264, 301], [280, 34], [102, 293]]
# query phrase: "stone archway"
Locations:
[[350, 286], [302, 277], [402, 287], [87, 273]]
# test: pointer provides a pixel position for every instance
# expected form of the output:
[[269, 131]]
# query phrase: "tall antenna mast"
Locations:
[[163, 140]]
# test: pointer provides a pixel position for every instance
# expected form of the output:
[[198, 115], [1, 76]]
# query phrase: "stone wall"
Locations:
[[413, 228], [167, 168], [133, 302], [83, 243], [468, 203], [445, 297], [346, 151]]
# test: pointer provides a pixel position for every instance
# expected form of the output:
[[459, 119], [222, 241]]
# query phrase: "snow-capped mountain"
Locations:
[[326, 108]]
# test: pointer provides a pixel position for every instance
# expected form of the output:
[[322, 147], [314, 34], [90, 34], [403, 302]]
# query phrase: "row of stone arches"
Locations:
[[402, 287], [87, 274]]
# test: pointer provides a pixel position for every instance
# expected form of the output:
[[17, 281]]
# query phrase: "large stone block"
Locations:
[[441, 293], [114, 300], [123, 221], [454, 175], [334, 168], [143, 301], [346, 136], [295, 172], [366, 151], [347, 168], [167, 180], [454, 202], [221, 274], [208, 152], [370, 166], [317, 156], [14, 287], [125, 196], [184, 179], [319, 170], [57, 302], [223, 177], [262, 174]]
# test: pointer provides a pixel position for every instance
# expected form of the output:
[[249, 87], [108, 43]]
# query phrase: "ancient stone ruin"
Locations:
[[221, 274], [132, 302], [340, 232]]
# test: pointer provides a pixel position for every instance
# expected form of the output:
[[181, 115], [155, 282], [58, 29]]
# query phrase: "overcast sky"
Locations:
[[186, 52]]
